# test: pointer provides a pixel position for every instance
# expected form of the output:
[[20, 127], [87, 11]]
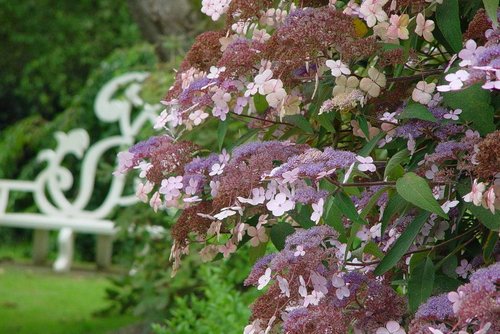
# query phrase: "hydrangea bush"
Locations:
[[370, 160]]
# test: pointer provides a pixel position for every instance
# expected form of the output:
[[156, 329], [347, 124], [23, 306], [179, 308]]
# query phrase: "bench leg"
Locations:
[[40, 246], [104, 251], [65, 242]]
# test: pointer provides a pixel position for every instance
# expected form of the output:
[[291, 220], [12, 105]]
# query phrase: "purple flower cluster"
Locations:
[[258, 269], [309, 195], [437, 308], [310, 238], [245, 151], [474, 305], [201, 165], [191, 95], [313, 162], [487, 279], [142, 150]]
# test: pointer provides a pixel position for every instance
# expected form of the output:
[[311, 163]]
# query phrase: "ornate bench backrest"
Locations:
[[52, 183]]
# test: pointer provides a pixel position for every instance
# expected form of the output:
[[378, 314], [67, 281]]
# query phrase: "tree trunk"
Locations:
[[159, 18]]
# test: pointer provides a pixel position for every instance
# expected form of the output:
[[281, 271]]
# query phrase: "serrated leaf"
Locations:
[[449, 265], [345, 204], [416, 190], [448, 21], [443, 284], [372, 248], [260, 103], [402, 245], [355, 227], [491, 7], [420, 283], [302, 215], [489, 245], [323, 93], [395, 162], [243, 139], [363, 125], [395, 205], [326, 120], [256, 253], [476, 108], [333, 217], [370, 146], [417, 111], [221, 133], [299, 121], [371, 203], [279, 232]]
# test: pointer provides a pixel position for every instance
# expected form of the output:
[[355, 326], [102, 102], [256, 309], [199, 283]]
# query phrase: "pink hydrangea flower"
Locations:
[[391, 327], [264, 279], [470, 53], [366, 164], [372, 11], [489, 198], [424, 27], [337, 68], [463, 269], [143, 189], [280, 204], [456, 81], [423, 92], [398, 27], [317, 210], [476, 194]]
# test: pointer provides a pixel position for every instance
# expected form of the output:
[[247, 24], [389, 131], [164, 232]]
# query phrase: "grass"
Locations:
[[36, 300]]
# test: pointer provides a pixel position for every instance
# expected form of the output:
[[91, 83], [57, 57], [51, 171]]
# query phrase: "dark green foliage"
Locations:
[[49, 47]]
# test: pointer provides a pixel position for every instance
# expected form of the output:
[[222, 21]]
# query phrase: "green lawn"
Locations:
[[38, 301]]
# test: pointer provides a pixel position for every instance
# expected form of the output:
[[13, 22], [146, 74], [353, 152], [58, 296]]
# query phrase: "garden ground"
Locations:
[[36, 300]]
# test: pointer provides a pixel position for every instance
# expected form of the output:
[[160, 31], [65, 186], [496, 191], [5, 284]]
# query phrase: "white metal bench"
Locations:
[[57, 212]]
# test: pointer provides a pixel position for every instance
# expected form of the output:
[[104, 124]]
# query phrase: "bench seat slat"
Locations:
[[39, 221]]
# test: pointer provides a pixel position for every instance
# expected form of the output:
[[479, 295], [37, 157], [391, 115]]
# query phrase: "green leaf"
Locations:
[[345, 204], [476, 108], [256, 253], [449, 265], [352, 236], [260, 103], [279, 232], [221, 133], [489, 245], [299, 121], [448, 22], [416, 190], [323, 93], [485, 216], [443, 283], [418, 111], [420, 283], [326, 120], [370, 146], [333, 217], [395, 162], [302, 215], [244, 138], [372, 248], [371, 203], [491, 7], [390, 46], [395, 205], [402, 244], [363, 125]]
